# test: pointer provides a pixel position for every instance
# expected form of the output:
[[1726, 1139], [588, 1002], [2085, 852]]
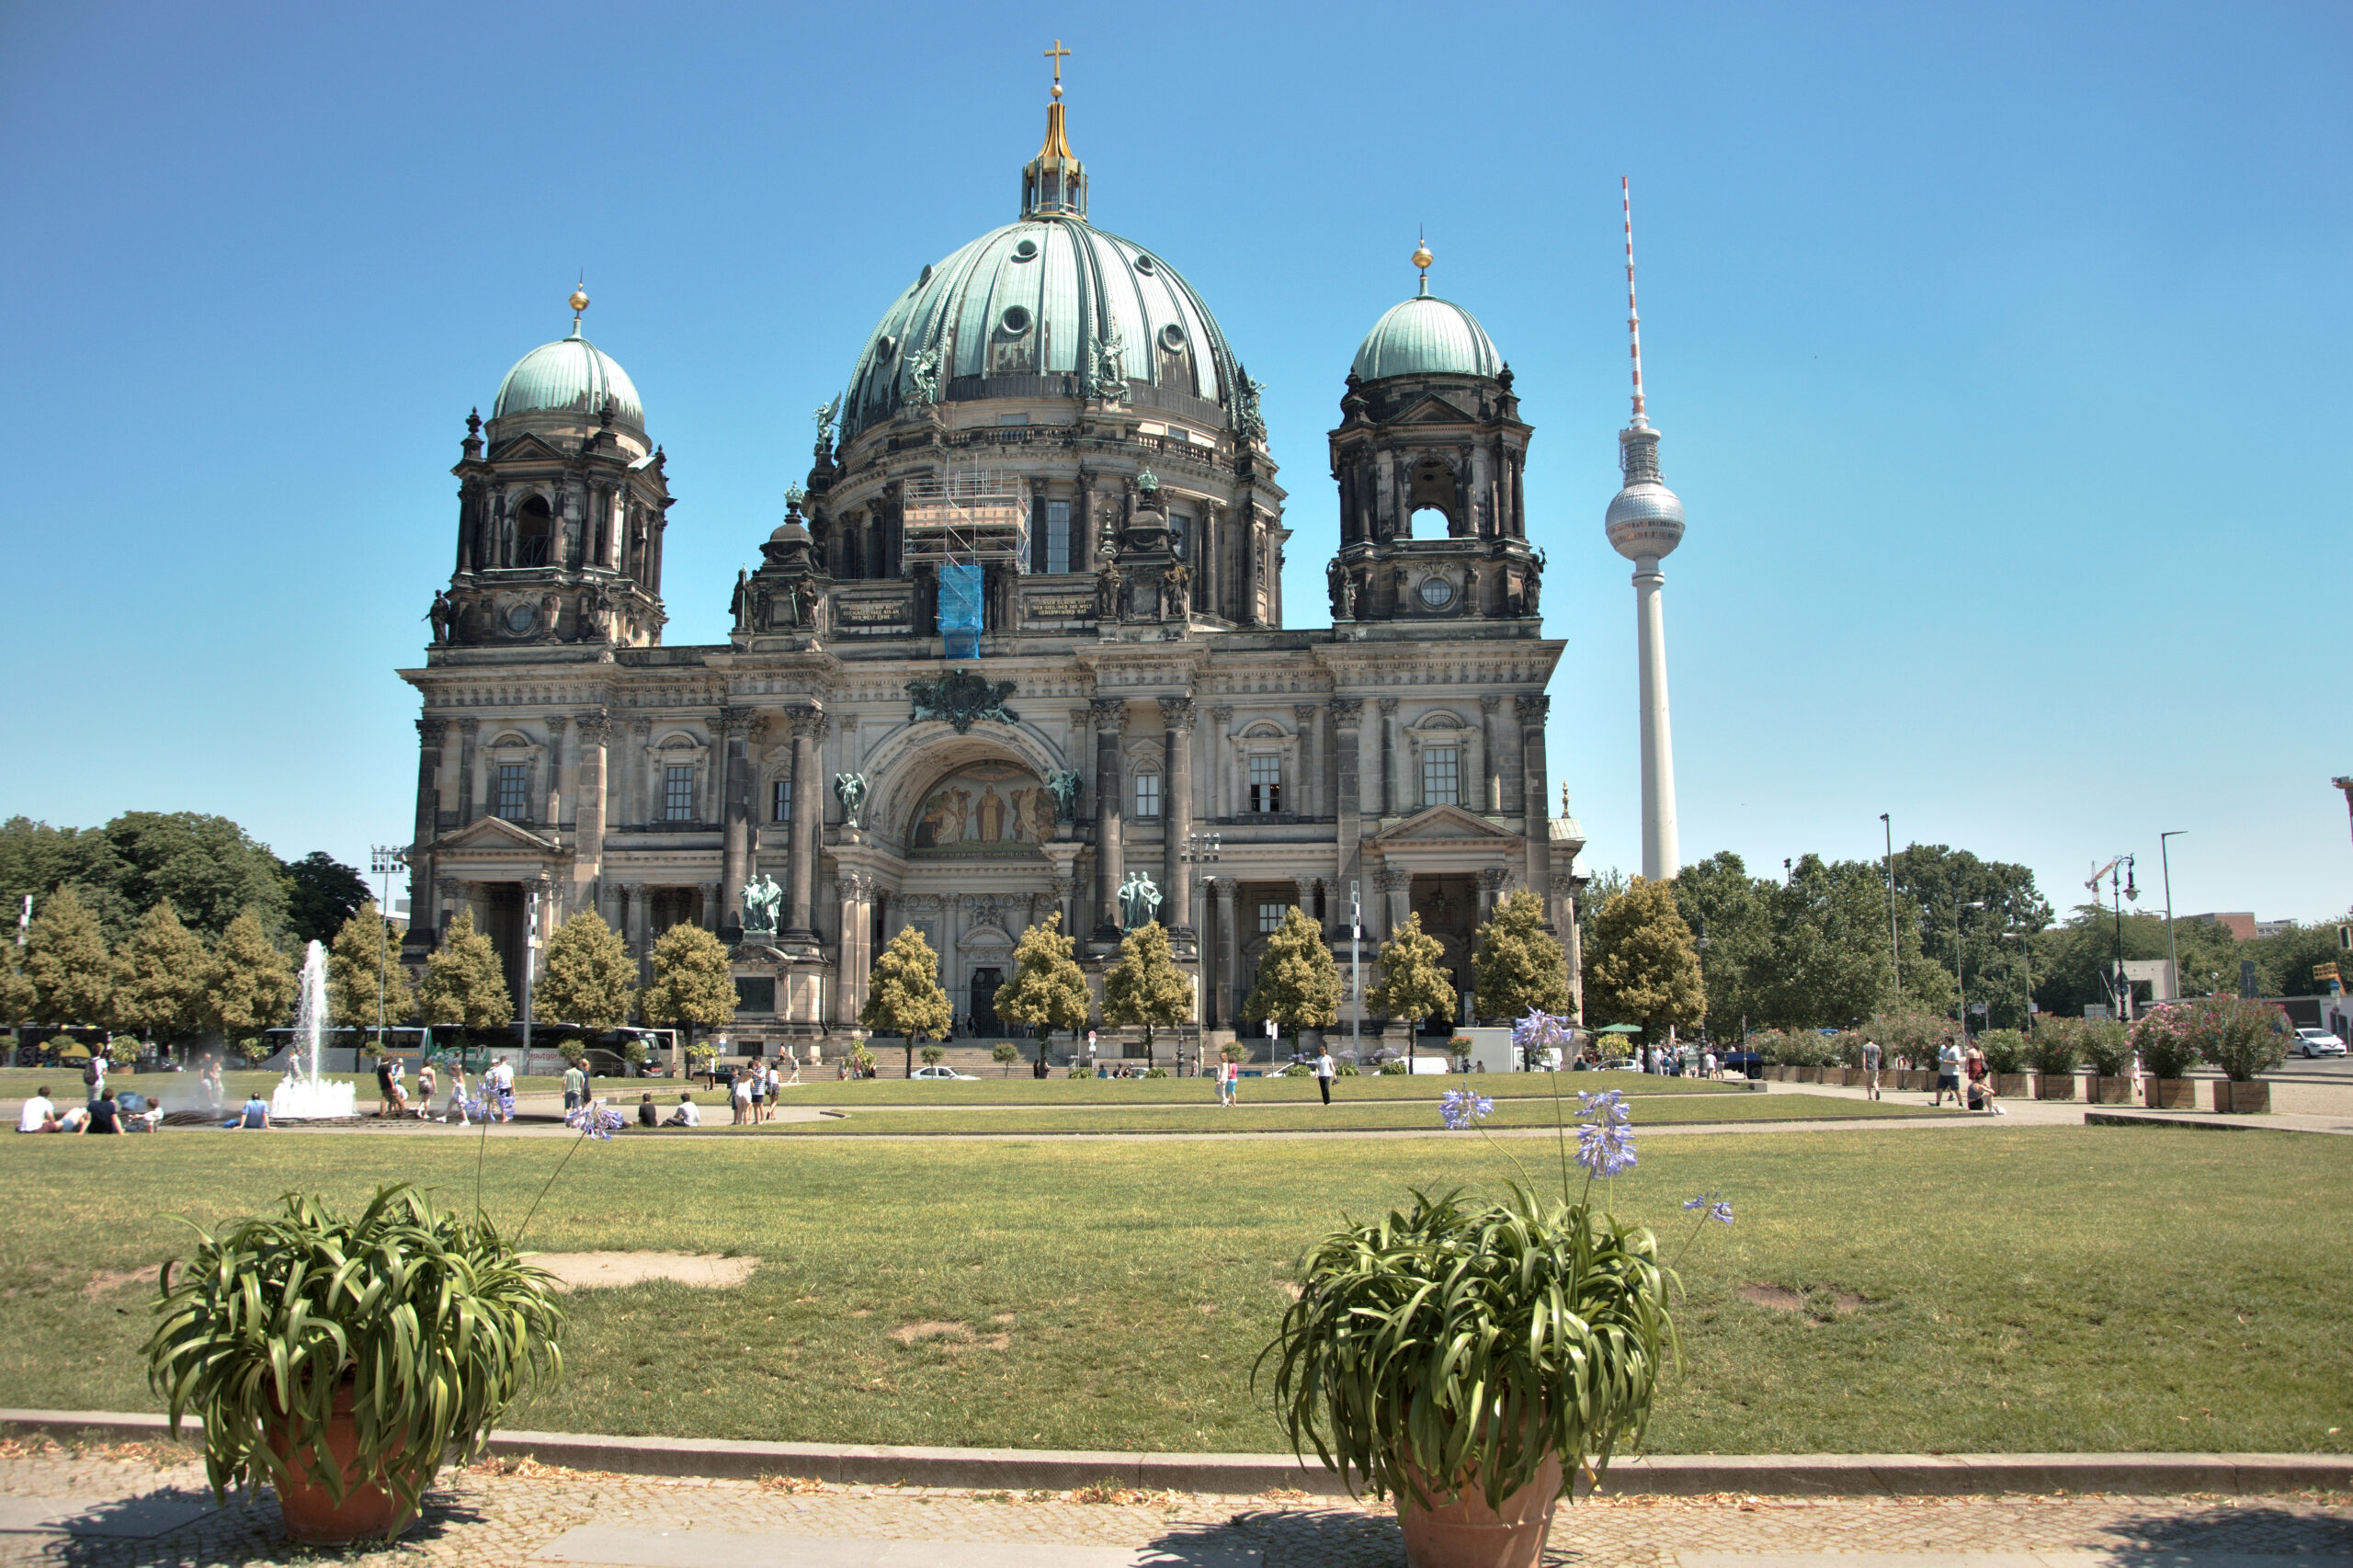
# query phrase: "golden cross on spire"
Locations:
[[1058, 54]]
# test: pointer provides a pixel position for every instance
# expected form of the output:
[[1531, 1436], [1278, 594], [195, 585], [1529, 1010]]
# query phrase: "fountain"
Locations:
[[302, 1097]]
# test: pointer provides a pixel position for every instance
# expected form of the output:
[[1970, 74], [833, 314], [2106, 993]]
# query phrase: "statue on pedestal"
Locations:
[[1139, 901], [762, 899], [850, 789]]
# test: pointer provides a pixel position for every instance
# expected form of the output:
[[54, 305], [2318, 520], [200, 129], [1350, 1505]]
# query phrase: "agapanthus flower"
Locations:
[[1610, 1105], [1717, 1209], [1720, 1211], [1460, 1109], [1606, 1149]]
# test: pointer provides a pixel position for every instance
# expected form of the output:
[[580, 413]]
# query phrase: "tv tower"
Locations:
[[1645, 523]]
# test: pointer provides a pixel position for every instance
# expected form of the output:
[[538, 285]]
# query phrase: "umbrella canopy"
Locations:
[[1619, 1028]]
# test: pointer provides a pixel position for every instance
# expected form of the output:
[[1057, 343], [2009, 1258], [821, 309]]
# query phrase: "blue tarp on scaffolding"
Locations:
[[960, 609]]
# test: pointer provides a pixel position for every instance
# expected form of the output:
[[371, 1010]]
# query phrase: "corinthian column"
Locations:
[[808, 728], [1177, 819], [588, 809], [1111, 714]]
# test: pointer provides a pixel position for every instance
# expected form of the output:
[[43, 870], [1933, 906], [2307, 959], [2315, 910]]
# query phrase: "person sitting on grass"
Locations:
[[74, 1117], [648, 1115], [104, 1117], [688, 1114], [39, 1114], [255, 1117]]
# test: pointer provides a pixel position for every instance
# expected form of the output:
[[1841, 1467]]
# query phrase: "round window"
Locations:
[[1144, 266], [1016, 321], [522, 617], [1172, 338], [924, 275], [885, 346], [1436, 592], [1025, 249]]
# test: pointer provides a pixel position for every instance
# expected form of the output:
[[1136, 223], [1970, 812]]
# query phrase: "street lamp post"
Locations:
[[383, 859], [1895, 948], [2025, 956], [1960, 964], [1200, 849], [2165, 859], [1355, 973]]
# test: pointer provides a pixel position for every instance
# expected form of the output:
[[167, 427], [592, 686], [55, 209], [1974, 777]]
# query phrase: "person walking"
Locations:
[[739, 1098], [575, 1087], [1324, 1072], [1870, 1070], [1948, 1073], [428, 1080]]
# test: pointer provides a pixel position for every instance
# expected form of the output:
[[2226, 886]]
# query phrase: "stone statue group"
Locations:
[[762, 899]]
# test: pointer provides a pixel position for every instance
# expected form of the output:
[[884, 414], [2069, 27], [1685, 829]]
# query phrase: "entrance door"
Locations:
[[985, 984]]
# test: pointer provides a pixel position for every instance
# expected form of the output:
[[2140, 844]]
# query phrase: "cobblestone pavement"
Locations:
[[140, 1506]]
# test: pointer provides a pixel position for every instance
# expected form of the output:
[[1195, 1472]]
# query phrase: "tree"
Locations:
[[586, 976], [1005, 1053], [692, 983], [1299, 985], [1519, 967], [1640, 966], [15, 988], [933, 1055], [1049, 990], [249, 986], [322, 895], [210, 869], [1719, 899], [1146, 986], [2283, 960], [1828, 964], [159, 974], [465, 986], [1415, 981], [903, 994], [65, 959], [363, 951]]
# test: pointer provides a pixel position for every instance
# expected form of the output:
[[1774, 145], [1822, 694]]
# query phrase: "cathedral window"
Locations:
[[1180, 533], [1147, 795], [780, 800], [1271, 918], [679, 792], [1265, 782], [1441, 776], [1057, 536], [1427, 522], [514, 796], [533, 524]]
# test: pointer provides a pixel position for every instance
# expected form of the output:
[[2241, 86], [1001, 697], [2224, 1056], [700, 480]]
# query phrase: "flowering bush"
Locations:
[[2168, 1041], [2005, 1051], [2241, 1036]]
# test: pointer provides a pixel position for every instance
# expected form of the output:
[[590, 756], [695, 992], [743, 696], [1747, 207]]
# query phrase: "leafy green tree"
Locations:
[[1938, 881], [364, 950], [692, 983], [465, 986], [249, 986], [1828, 964], [1599, 889], [933, 1055], [1146, 986], [1298, 985], [1640, 966], [159, 976], [322, 895], [15, 988], [1414, 983], [1005, 1053], [903, 994], [1049, 990], [65, 958], [1720, 901], [1519, 966], [586, 976], [2283, 961], [210, 869]]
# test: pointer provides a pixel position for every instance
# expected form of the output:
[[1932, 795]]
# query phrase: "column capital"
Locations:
[[1226, 888], [1388, 707], [432, 729], [733, 722], [808, 720], [467, 726], [1531, 710], [557, 724], [595, 726], [1304, 712], [1493, 878], [1490, 701], [1109, 713], [1389, 880], [1347, 710], [1222, 715], [1176, 713]]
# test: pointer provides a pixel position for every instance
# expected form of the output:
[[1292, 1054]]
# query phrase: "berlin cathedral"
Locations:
[[1020, 647]]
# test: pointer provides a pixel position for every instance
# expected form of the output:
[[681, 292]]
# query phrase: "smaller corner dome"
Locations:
[[570, 377], [1427, 336]]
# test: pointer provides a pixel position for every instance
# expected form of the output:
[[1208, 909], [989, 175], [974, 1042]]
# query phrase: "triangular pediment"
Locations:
[[525, 447], [493, 834], [1433, 410], [1442, 823]]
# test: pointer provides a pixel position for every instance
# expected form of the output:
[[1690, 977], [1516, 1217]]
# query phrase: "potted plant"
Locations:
[[2006, 1061], [1471, 1358], [2242, 1036], [2167, 1040], [2107, 1049], [347, 1359], [2053, 1054]]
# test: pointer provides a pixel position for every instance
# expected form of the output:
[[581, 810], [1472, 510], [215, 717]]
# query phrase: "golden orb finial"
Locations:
[[579, 301], [1422, 257]]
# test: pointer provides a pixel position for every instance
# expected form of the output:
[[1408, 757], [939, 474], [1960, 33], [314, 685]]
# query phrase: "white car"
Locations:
[[2317, 1042], [937, 1074]]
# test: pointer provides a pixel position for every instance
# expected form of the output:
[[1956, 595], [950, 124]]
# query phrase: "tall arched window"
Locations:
[[532, 527]]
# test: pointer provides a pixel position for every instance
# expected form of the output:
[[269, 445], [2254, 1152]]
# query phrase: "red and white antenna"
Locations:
[[1634, 317]]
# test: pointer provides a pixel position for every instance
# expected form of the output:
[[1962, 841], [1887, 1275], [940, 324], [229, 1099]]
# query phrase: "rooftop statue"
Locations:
[[850, 790], [1139, 901]]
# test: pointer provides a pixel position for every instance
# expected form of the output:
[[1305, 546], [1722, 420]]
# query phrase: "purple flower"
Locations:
[[1606, 1149], [1610, 1105], [1721, 1211], [1460, 1109], [1699, 1202]]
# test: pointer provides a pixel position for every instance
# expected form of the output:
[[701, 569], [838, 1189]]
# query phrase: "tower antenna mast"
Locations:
[[1633, 316]]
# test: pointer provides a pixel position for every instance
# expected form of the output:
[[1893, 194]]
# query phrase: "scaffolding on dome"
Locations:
[[961, 524]]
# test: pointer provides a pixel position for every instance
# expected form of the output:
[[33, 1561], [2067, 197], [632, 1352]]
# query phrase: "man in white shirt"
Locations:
[[1870, 1066], [1948, 1073], [39, 1114], [688, 1114], [1324, 1071]]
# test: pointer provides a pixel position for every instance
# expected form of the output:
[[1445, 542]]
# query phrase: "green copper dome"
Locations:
[[1427, 336], [571, 377]]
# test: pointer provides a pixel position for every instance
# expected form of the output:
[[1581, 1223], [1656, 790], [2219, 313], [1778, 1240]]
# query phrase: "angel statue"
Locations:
[[850, 789], [1062, 784], [825, 417], [923, 379], [1139, 901]]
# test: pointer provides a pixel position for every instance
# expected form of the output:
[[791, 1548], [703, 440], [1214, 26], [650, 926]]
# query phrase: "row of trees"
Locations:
[[163, 980]]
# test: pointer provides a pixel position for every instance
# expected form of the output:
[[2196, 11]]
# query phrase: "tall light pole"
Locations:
[[383, 859], [1356, 974], [2026, 955], [2173, 959], [1960, 964], [1894, 947], [1200, 849]]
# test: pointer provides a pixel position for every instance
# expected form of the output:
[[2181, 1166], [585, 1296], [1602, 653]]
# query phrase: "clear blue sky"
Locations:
[[2000, 353]]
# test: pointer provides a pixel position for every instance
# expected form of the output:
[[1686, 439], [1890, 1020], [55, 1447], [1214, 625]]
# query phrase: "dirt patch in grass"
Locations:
[[605, 1270], [107, 1280], [1781, 1299], [953, 1337]]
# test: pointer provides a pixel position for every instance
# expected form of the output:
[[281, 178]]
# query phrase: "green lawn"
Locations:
[[1342, 1114], [2033, 1288]]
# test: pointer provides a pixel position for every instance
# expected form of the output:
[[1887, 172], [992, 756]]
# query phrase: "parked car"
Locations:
[[2317, 1042], [937, 1074], [1743, 1064]]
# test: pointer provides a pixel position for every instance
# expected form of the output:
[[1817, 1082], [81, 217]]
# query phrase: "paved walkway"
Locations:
[[138, 1505]]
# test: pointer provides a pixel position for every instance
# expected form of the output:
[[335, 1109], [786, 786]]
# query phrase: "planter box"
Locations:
[[2169, 1094], [2108, 1091], [2013, 1086], [2055, 1086], [2244, 1099]]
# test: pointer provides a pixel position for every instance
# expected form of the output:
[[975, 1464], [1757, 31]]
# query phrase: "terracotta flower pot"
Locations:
[[1465, 1533], [311, 1511]]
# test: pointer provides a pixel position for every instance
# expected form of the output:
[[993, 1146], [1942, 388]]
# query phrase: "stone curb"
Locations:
[[1671, 1475]]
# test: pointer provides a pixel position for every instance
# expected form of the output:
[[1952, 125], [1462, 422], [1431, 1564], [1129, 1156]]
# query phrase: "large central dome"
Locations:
[[1047, 306]]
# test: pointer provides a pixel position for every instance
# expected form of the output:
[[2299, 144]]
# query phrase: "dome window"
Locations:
[[885, 346], [1015, 320], [1145, 265], [924, 275], [1436, 592], [1026, 250], [1172, 338]]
